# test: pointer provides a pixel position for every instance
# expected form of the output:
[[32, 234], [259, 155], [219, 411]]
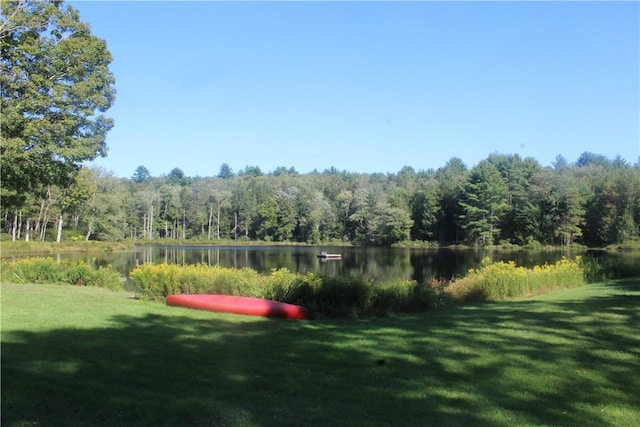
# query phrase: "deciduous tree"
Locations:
[[55, 81]]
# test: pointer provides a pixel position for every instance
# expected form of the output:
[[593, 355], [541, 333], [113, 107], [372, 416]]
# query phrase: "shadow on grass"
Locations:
[[565, 362]]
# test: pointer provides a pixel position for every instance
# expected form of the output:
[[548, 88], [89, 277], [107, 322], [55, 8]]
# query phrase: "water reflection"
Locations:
[[374, 263]]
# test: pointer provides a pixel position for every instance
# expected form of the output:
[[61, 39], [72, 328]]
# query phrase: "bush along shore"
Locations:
[[357, 296], [353, 296], [325, 296], [42, 270], [500, 281]]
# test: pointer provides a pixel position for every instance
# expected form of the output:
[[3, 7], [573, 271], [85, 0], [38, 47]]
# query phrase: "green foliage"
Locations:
[[176, 177], [504, 280], [158, 281], [402, 295], [609, 217], [425, 209], [503, 200], [296, 288], [23, 248], [521, 221], [325, 296], [225, 171], [55, 81], [391, 225], [621, 266], [141, 174], [48, 270], [353, 296], [483, 203]]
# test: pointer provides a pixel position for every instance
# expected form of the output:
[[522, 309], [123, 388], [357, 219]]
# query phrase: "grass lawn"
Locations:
[[91, 357]]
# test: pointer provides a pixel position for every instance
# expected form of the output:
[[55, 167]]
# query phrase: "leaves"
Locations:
[[55, 81], [503, 198], [484, 202]]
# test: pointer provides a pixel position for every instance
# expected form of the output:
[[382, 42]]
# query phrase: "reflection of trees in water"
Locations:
[[373, 263]]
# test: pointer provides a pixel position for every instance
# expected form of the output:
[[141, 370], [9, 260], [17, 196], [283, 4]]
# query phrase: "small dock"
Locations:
[[325, 255]]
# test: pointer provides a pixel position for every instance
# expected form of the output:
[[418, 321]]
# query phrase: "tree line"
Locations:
[[56, 83], [503, 199]]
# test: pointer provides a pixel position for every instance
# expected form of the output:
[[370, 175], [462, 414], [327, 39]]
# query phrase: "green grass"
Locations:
[[75, 356]]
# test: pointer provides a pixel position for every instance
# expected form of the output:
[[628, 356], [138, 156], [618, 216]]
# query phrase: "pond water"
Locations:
[[374, 263]]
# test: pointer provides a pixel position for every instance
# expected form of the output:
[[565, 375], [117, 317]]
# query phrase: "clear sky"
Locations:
[[367, 86]]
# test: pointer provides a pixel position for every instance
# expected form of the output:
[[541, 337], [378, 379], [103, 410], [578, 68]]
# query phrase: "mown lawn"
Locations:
[[85, 356]]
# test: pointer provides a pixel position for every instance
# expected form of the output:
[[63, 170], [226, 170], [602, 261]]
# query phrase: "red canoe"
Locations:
[[239, 305]]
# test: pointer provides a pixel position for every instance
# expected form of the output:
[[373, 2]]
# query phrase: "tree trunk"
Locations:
[[235, 229], [14, 227], [89, 230], [39, 220], [218, 222], [59, 235], [184, 224], [26, 231], [150, 222], [45, 214], [210, 219], [19, 225], [144, 226]]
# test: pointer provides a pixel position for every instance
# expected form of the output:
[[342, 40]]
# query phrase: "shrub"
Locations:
[[402, 295], [504, 280], [296, 288], [324, 296], [48, 270], [618, 267], [157, 281], [342, 297]]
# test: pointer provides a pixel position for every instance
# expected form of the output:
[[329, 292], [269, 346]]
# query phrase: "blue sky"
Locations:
[[366, 86]]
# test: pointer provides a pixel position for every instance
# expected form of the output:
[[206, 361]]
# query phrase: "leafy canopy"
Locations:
[[54, 80]]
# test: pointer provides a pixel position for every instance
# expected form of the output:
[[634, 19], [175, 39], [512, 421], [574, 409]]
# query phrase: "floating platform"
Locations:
[[325, 255]]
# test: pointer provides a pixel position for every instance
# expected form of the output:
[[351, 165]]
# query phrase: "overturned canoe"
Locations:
[[239, 305]]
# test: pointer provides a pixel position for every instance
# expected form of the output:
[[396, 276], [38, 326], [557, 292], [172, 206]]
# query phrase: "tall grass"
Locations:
[[351, 296], [504, 280], [602, 269], [48, 270], [157, 281]]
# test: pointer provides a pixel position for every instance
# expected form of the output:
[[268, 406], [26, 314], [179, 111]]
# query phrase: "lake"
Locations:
[[374, 263]]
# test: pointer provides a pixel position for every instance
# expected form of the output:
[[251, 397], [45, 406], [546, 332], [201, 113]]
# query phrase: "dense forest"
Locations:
[[56, 83], [503, 199]]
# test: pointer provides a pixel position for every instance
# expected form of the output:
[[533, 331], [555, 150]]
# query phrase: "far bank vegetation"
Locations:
[[503, 200]]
